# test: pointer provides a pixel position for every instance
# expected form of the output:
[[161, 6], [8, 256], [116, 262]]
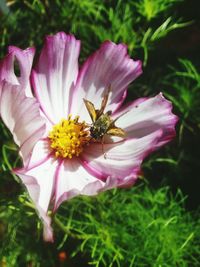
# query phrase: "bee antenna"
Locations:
[[120, 116]]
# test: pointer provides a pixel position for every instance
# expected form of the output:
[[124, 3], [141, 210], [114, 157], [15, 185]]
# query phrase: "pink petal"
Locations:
[[121, 161], [145, 116], [40, 151], [22, 117], [39, 182], [43, 176], [109, 66], [24, 59], [55, 75], [7, 70], [72, 179]]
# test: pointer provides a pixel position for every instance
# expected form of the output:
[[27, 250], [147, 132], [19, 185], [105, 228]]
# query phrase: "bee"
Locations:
[[102, 123]]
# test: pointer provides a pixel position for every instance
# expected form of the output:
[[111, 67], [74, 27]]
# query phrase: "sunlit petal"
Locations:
[[22, 117], [55, 74], [146, 116], [110, 66], [22, 59]]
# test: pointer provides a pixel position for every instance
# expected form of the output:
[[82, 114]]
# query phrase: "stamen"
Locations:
[[68, 137]]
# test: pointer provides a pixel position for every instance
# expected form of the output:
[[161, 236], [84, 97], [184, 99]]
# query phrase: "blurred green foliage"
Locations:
[[138, 227], [134, 227], [186, 91], [151, 9], [147, 225]]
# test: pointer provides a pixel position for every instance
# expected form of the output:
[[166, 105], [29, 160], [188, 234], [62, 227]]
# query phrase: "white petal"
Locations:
[[119, 160], [55, 75], [39, 182], [39, 152], [24, 59], [109, 66], [145, 116], [72, 179], [22, 117]]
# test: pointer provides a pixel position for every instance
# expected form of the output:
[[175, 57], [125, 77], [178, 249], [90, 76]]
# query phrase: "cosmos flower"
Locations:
[[44, 109]]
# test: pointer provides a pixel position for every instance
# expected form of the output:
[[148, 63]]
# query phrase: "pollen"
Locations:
[[68, 137]]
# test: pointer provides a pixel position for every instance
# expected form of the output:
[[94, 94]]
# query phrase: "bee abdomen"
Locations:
[[97, 132]]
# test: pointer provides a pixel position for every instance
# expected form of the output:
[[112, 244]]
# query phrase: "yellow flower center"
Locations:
[[68, 137]]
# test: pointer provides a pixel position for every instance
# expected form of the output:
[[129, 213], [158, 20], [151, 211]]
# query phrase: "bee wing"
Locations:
[[91, 109], [116, 131], [104, 102]]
